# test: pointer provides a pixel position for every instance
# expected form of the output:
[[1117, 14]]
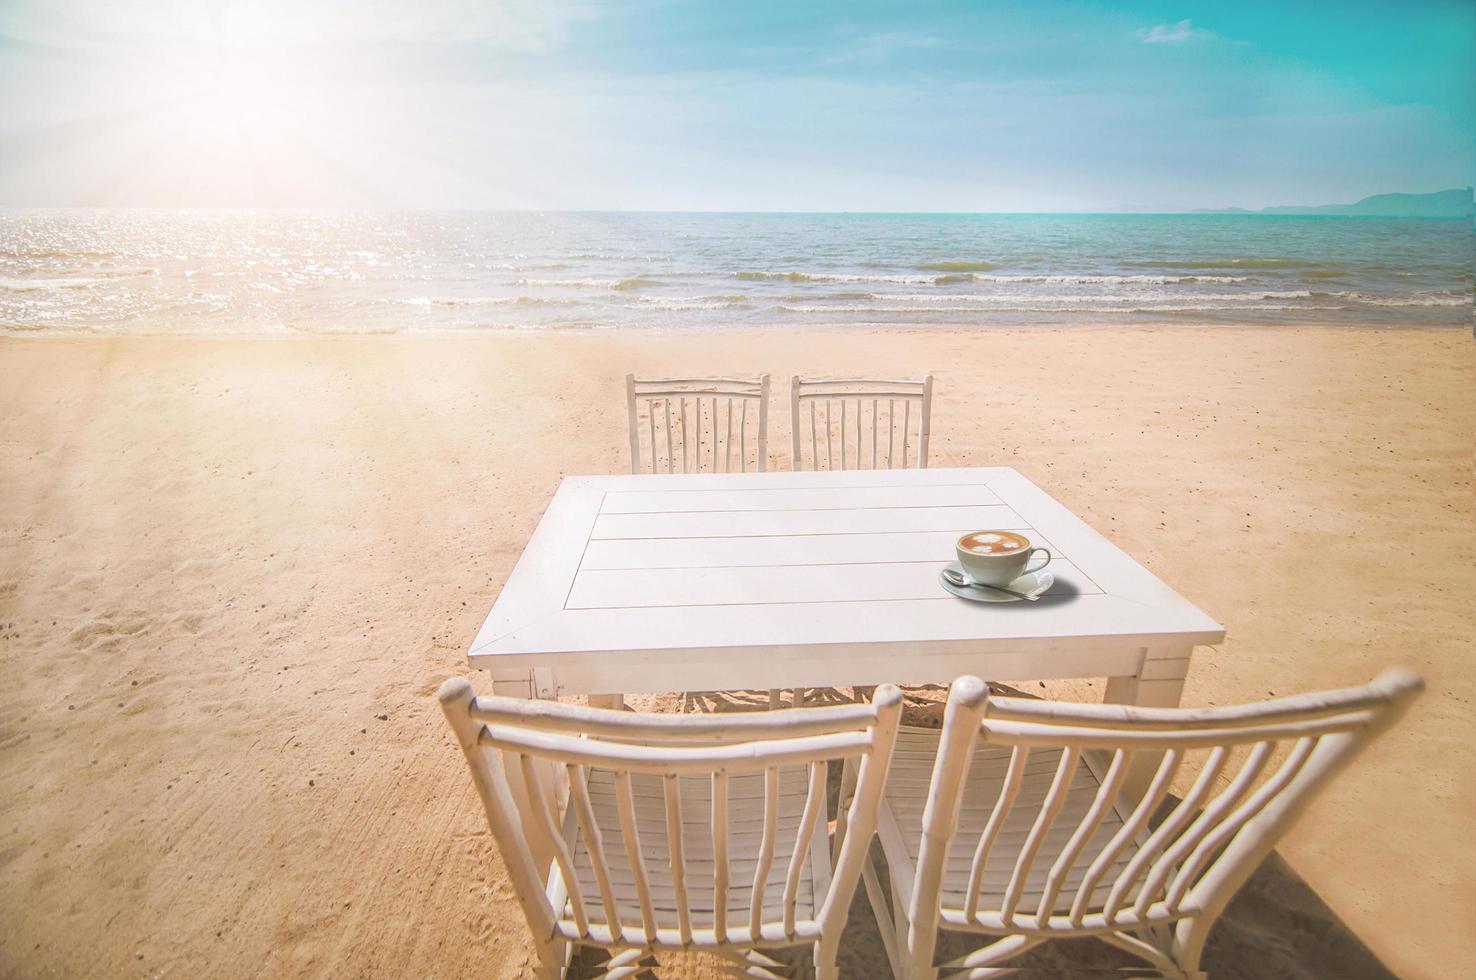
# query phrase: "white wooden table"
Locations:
[[818, 579]]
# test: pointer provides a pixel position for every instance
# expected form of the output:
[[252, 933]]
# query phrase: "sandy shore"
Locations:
[[233, 573]]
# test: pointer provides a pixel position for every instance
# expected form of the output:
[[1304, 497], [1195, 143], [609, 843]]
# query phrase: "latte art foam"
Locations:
[[993, 543]]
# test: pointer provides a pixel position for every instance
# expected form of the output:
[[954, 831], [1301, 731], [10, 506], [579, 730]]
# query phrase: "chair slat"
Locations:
[[766, 851], [1055, 797], [720, 854], [843, 432], [874, 413], [1102, 803], [676, 841], [829, 457], [542, 808], [906, 428], [814, 803], [728, 440], [686, 440], [997, 817], [666, 406], [891, 428], [814, 446], [635, 430], [631, 836], [594, 843], [743, 438], [651, 417]]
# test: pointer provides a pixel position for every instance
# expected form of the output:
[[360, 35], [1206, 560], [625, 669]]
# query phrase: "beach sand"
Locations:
[[234, 571]]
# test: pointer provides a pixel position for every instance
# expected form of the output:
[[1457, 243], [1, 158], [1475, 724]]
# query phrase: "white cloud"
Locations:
[[1182, 32]]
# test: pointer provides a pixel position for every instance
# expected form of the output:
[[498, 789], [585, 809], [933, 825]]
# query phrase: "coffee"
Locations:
[[993, 543], [998, 557]]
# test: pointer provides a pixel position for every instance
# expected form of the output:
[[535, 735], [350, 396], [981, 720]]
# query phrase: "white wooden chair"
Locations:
[[675, 412], [681, 831], [1013, 822], [860, 424]]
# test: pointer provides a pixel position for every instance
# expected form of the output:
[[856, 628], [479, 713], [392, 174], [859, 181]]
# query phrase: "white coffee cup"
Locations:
[[998, 557]]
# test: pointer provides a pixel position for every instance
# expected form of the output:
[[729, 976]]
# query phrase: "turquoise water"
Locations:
[[248, 271]]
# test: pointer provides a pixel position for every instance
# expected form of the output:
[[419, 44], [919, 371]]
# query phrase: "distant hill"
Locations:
[[1455, 203]]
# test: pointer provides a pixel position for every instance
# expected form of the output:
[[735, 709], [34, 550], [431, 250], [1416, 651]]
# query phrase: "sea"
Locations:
[[210, 271]]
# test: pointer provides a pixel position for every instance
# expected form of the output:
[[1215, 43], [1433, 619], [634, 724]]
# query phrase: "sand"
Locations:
[[234, 571]]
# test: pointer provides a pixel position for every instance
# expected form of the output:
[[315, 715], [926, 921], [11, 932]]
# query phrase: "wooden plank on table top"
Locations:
[[800, 549], [801, 498], [757, 523], [768, 585]]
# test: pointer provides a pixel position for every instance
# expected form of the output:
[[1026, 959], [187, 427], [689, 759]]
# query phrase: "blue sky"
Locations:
[[732, 106]]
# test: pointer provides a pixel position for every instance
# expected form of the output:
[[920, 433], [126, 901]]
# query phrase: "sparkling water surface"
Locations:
[[135, 271]]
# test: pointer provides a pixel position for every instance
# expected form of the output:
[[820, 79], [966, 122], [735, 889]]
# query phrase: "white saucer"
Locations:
[[1031, 583]]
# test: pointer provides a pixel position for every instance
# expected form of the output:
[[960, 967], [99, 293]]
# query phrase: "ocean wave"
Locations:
[[963, 277], [680, 303], [487, 301], [994, 299], [620, 285], [830, 277], [1101, 280], [1040, 308], [1422, 299], [956, 266]]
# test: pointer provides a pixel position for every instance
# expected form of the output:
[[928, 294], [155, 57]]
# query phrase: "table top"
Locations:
[[792, 578]]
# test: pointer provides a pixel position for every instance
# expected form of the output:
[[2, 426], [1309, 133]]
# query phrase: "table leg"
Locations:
[[1158, 683]]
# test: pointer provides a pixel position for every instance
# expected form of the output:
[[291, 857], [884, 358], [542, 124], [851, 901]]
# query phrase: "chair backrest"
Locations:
[[505, 739], [674, 414], [854, 425], [1268, 760]]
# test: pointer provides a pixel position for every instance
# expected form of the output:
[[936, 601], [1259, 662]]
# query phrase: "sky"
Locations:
[[672, 105]]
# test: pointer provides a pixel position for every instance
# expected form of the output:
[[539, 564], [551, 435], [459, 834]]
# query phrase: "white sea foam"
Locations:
[[832, 277], [628, 283], [1059, 308], [488, 301], [1090, 280], [955, 278], [677, 304], [992, 299], [1418, 299]]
